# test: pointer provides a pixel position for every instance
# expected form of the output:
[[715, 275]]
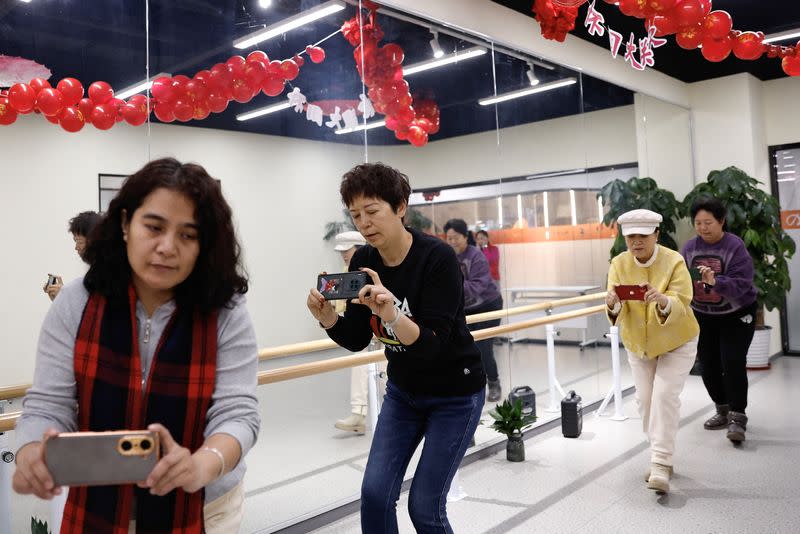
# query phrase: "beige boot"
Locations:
[[659, 478], [355, 422], [647, 474]]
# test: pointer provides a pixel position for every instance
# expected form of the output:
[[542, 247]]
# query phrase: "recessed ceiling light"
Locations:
[[138, 87], [455, 57], [362, 127], [266, 110]]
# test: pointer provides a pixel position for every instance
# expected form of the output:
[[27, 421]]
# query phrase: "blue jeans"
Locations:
[[447, 424]]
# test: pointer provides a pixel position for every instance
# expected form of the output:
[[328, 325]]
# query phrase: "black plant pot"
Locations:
[[515, 449]]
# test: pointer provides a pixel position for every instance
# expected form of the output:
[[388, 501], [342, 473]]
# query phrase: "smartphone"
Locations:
[[630, 292], [694, 272], [101, 458], [52, 279], [339, 286]]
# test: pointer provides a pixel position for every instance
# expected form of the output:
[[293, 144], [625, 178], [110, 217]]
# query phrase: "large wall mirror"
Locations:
[[520, 150]]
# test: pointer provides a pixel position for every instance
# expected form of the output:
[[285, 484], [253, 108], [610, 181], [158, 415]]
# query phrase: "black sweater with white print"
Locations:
[[429, 289]]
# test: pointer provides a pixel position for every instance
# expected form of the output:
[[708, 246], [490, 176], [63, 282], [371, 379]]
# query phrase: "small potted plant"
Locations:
[[38, 526], [509, 420]]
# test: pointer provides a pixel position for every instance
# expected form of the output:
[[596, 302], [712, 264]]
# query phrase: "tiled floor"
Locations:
[[595, 484]]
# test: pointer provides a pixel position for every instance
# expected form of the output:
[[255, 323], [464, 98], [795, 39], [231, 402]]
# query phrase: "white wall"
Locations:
[[781, 105]]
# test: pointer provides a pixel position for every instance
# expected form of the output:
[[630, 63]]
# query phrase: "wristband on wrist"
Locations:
[[219, 455], [393, 322]]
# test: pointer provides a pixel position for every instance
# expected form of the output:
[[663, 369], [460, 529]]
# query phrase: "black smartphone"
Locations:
[[694, 272], [339, 286], [52, 280]]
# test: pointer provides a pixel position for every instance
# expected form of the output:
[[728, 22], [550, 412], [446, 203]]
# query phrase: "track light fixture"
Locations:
[[435, 46], [532, 75]]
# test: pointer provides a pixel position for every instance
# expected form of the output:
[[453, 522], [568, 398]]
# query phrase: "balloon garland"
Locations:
[[380, 68], [173, 98], [693, 23]]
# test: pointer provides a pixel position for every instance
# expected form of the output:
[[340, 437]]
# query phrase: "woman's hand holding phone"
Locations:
[[654, 295], [178, 467], [31, 475], [612, 299], [377, 297], [321, 309]]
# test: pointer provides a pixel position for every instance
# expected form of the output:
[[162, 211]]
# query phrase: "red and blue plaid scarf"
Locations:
[[108, 373]]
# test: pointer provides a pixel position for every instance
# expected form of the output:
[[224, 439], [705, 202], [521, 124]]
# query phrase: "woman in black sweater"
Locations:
[[415, 306]]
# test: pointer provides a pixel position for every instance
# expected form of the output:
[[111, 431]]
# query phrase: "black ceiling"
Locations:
[[769, 16], [107, 41]]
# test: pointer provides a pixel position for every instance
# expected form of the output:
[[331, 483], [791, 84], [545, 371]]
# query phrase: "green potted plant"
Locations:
[[640, 193], [39, 527], [509, 420], [755, 216]]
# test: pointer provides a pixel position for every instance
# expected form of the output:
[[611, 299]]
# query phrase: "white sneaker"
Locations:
[[353, 423], [659, 478]]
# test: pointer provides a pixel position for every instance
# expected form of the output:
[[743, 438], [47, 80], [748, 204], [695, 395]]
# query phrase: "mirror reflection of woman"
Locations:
[[415, 306], [725, 306], [659, 333], [156, 336]]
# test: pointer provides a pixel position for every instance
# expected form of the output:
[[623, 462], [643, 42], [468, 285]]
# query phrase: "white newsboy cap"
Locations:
[[348, 240], [642, 222]]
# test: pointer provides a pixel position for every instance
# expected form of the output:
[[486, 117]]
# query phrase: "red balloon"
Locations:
[[103, 116], [72, 91], [183, 109], [688, 13], [49, 101], [717, 24], [53, 119], [425, 124], [393, 53], [299, 60], [162, 90], [417, 136], [257, 55], [690, 37], [134, 115], [220, 78], [289, 69], [401, 133], [705, 7], [315, 53], [100, 93], [38, 84], [254, 73], [661, 6], [86, 106], [791, 65], [7, 113], [71, 119], [242, 92], [665, 25], [22, 98], [716, 50], [748, 46], [196, 90], [202, 76], [201, 110], [217, 103], [272, 86], [235, 60], [164, 112]]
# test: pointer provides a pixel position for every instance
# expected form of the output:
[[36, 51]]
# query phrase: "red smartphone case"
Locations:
[[631, 292]]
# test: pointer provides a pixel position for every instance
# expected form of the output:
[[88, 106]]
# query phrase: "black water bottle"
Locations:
[[571, 415]]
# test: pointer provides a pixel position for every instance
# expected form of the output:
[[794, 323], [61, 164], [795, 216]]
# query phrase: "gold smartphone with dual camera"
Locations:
[[101, 458]]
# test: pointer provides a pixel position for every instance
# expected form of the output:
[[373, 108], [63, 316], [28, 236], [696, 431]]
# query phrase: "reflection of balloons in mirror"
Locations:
[[7, 113], [689, 38], [49, 101], [71, 119], [748, 46], [315, 53], [100, 92], [72, 91], [39, 84], [791, 65], [688, 13], [22, 98]]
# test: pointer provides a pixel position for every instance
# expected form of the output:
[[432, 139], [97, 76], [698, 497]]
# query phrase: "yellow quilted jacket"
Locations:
[[644, 331]]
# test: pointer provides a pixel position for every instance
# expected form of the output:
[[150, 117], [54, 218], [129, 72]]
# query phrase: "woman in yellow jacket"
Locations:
[[659, 332]]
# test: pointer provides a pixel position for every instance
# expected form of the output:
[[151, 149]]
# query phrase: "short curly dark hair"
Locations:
[[375, 180], [83, 223], [710, 204], [218, 272]]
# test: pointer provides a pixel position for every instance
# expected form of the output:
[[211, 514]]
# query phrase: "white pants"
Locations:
[[659, 383], [359, 377], [221, 516]]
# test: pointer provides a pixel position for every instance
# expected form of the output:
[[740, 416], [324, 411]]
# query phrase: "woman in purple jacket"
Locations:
[[725, 306]]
